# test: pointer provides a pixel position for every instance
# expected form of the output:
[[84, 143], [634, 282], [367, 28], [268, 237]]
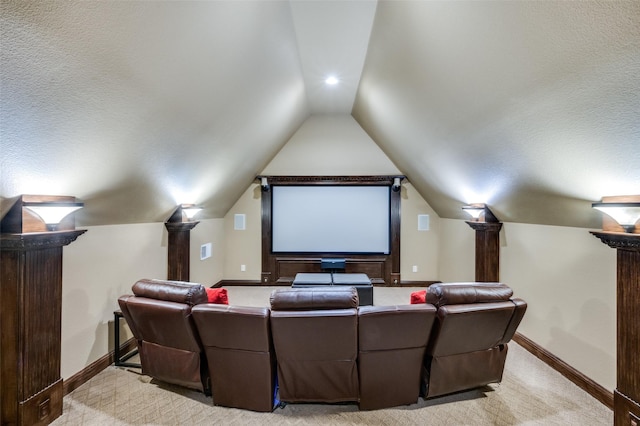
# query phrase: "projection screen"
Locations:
[[330, 219]]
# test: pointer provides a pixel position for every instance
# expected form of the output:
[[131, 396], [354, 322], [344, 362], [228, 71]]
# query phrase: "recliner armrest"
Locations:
[[516, 318]]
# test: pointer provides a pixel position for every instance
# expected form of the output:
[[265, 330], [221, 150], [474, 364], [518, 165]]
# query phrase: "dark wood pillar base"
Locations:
[[31, 295], [179, 250], [487, 250], [626, 399]]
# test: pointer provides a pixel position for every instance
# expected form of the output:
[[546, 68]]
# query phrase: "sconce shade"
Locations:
[[52, 213], [473, 211], [480, 212], [626, 214], [40, 213], [191, 211], [184, 213]]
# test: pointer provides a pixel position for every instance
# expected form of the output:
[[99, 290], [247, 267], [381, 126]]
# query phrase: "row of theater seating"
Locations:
[[318, 345]]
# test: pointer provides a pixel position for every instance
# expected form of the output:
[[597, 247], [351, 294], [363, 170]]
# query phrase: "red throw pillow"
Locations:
[[217, 295], [419, 297]]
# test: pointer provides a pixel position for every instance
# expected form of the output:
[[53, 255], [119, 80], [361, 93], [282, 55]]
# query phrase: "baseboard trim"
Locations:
[[257, 283], [583, 382], [232, 283], [91, 370], [416, 283]]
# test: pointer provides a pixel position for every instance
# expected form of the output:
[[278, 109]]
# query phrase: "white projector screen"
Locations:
[[330, 219]]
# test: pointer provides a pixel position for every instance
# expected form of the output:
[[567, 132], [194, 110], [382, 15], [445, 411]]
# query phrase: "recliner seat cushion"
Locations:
[[316, 353], [172, 365], [315, 336], [392, 341], [237, 341], [453, 373]]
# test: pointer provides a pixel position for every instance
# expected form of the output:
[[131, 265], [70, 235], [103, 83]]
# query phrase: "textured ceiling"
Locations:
[[134, 107], [531, 107]]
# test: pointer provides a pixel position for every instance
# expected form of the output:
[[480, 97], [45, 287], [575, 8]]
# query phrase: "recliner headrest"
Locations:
[[441, 294], [171, 291], [298, 299]]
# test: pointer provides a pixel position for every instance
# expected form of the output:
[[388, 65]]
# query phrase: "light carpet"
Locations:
[[531, 393]]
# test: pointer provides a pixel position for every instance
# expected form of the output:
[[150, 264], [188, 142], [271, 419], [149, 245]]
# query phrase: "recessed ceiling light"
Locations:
[[332, 80]]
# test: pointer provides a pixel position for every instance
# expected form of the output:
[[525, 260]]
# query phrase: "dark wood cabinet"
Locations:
[[31, 300], [284, 268]]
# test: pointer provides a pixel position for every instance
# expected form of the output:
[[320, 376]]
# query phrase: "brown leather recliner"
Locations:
[[392, 343], [315, 336], [159, 316], [237, 341], [468, 346]]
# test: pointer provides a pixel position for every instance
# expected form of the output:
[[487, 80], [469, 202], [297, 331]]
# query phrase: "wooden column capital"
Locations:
[[38, 240], [485, 226], [619, 240]]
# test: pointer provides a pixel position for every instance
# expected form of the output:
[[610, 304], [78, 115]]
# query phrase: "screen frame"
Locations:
[[330, 252], [280, 268]]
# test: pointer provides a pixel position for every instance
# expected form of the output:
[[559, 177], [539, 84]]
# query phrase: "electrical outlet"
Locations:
[[243, 268], [415, 268]]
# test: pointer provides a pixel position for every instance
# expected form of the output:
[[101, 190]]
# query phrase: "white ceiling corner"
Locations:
[[333, 37]]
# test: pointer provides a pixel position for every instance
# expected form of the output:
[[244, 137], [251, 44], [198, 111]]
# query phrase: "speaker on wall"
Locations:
[[239, 222], [423, 222]]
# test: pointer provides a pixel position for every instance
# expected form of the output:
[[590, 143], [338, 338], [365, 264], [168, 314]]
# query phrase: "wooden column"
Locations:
[[487, 250], [31, 299], [626, 397], [179, 250]]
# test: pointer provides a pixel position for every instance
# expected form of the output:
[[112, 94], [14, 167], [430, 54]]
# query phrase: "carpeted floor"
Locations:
[[531, 393]]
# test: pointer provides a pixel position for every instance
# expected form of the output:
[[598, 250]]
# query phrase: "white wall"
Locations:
[[332, 145], [566, 276], [103, 264], [568, 279], [243, 247], [209, 271], [418, 248]]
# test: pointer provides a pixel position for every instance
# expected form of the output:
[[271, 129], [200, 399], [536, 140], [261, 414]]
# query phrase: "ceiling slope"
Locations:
[[531, 107], [332, 39], [134, 107]]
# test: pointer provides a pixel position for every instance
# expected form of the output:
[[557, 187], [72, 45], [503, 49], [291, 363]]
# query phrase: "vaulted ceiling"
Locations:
[[532, 107]]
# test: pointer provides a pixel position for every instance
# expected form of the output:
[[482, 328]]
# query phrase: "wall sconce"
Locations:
[[625, 213], [396, 184], [264, 184], [480, 212], [184, 213], [52, 213], [40, 213]]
